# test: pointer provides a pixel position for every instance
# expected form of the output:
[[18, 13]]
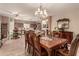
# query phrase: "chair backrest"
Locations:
[[26, 35], [34, 40], [77, 46], [77, 50], [56, 34], [30, 37], [74, 46], [37, 44]]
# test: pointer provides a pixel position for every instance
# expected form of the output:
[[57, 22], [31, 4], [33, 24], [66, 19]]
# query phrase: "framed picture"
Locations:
[[44, 25], [63, 23]]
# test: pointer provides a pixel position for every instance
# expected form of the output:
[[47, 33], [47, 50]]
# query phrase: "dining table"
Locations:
[[49, 44]]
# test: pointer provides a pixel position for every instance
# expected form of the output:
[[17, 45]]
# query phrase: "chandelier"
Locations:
[[41, 12]]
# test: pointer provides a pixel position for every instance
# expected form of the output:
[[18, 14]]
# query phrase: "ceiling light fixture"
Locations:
[[41, 12]]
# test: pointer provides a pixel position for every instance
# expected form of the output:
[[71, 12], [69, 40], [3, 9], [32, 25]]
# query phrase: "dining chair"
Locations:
[[26, 41], [73, 49], [38, 50], [56, 34], [29, 42]]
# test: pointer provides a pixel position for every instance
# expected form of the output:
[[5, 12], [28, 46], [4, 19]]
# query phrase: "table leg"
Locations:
[[49, 52]]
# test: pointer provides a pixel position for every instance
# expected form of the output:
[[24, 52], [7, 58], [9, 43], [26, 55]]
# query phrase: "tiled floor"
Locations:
[[14, 47]]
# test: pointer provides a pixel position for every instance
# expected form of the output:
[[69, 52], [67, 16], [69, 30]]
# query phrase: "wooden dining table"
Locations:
[[50, 44]]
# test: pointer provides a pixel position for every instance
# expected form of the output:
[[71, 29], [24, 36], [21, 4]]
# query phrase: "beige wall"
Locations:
[[74, 20], [4, 19]]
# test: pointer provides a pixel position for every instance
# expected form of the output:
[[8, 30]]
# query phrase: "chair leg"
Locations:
[[54, 52], [34, 53], [32, 50], [28, 49]]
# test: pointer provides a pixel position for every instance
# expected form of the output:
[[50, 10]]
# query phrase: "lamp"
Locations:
[[41, 12]]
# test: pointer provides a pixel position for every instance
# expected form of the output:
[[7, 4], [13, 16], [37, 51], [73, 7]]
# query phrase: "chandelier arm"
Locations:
[[41, 13]]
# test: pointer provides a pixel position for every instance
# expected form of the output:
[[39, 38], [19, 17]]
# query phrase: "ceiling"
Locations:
[[26, 10]]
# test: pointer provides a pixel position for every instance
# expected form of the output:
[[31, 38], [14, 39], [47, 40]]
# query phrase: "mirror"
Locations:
[[63, 24]]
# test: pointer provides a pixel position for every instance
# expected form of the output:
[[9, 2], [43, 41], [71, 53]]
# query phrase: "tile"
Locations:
[[14, 47]]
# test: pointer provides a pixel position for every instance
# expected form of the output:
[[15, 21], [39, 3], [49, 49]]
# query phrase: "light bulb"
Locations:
[[45, 13], [39, 10], [36, 12]]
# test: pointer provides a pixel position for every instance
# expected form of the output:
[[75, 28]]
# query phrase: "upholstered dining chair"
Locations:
[[74, 49], [38, 50]]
